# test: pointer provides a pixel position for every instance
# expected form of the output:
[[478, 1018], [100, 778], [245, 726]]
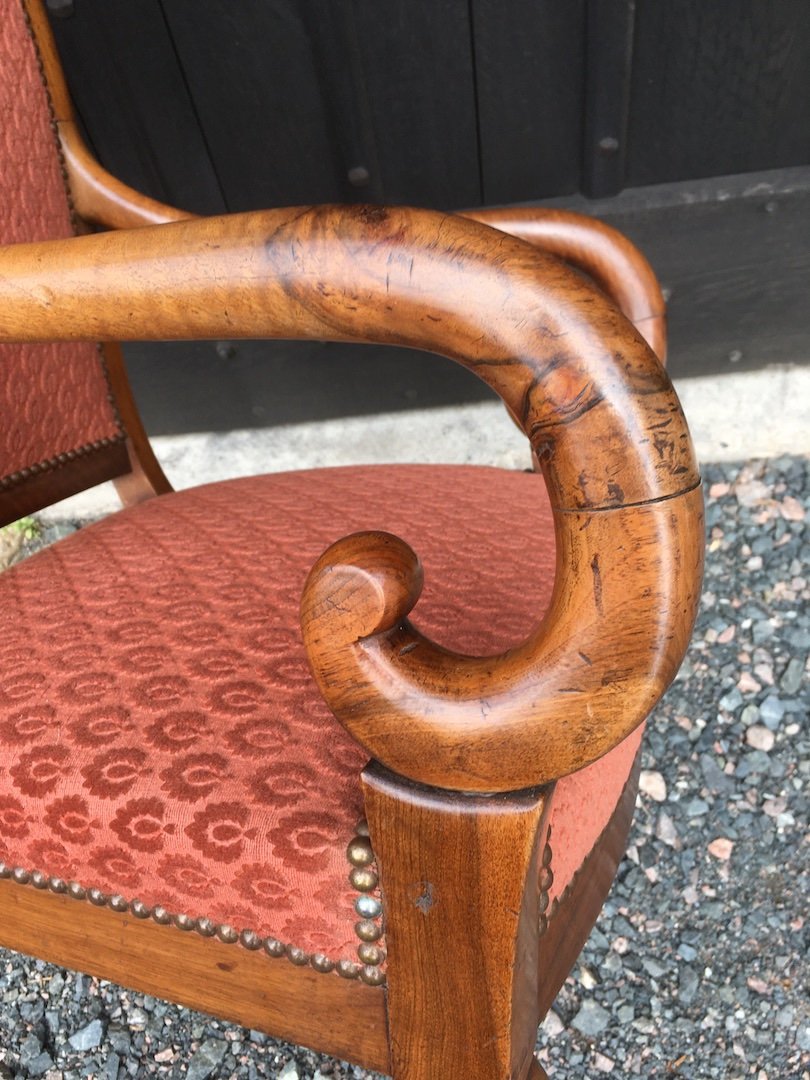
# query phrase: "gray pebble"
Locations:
[[89, 1037], [749, 715], [207, 1058], [792, 677], [31, 1048], [41, 1064], [688, 984], [591, 1018], [111, 1066], [771, 712]]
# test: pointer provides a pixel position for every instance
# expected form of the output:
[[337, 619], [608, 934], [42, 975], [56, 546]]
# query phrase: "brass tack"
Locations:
[[39, 880], [368, 930], [5, 871], [543, 924], [547, 855], [347, 969], [21, 876], [373, 976], [368, 907], [543, 902], [359, 851], [97, 897], [363, 878], [370, 953], [118, 903], [546, 877], [139, 909], [161, 916], [206, 927], [361, 828], [77, 891], [56, 884], [227, 934], [273, 947], [296, 955], [183, 922], [322, 963], [250, 939]]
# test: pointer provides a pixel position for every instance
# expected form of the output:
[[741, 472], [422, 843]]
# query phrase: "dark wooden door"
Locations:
[[236, 104]]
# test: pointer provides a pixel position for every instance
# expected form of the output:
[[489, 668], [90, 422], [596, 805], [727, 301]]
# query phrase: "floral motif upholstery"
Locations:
[[163, 736]]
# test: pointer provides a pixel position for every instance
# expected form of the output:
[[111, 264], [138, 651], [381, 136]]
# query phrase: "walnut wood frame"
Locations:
[[591, 397], [608, 432]]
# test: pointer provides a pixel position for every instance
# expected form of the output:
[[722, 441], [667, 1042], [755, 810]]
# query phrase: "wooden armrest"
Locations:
[[605, 254], [598, 409]]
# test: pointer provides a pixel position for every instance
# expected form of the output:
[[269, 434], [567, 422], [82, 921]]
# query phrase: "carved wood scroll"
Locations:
[[598, 409]]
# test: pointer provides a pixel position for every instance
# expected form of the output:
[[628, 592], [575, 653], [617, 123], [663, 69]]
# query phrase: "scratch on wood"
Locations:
[[424, 901], [597, 584]]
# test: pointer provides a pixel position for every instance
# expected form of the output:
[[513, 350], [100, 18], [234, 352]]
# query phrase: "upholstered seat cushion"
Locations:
[[161, 735]]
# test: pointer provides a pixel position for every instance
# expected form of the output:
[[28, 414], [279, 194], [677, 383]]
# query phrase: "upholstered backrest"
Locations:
[[59, 430]]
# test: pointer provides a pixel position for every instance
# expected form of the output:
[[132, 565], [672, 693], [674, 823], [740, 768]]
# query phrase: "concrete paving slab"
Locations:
[[752, 414]]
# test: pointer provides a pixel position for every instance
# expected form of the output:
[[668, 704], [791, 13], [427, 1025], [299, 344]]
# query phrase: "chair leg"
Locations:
[[461, 896]]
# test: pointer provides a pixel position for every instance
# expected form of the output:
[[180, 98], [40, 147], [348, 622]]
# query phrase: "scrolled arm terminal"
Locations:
[[593, 400]]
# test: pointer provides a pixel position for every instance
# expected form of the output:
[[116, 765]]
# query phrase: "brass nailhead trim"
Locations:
[[297, 956], [370, 953], [367, 971], [321, 963], [364, 877], [372, 976]]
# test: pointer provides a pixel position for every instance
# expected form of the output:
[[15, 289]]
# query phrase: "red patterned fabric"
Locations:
[[162, 736], [53, 398]]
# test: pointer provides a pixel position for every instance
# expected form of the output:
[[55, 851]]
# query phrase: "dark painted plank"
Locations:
[[190, 386], [719, 88], [302, 101], [132, 100], [529, 65], [260, 98], [733, 256], [417, 68], [609, 55]]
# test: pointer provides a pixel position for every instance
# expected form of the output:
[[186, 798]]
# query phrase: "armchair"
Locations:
[[384, 839]]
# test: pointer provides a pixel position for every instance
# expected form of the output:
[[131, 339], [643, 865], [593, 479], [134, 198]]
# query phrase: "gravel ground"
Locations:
[[697, 966]]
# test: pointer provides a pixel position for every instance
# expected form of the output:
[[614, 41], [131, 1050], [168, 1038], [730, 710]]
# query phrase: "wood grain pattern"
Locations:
[[145, 477], [460, 885], [592, 398], [323, 1011], [604, 253], [100, 198]]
